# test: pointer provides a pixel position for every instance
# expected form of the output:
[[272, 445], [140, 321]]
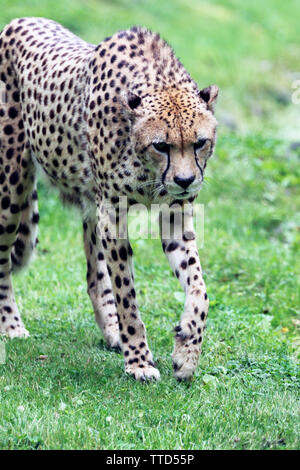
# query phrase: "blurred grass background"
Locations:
[[246, 391]]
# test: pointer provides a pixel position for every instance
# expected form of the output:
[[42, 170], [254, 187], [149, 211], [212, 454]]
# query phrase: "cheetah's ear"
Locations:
[[131, 104], [209, 95]]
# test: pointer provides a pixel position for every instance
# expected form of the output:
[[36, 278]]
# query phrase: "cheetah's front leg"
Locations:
[[183, 257], [118, 254]]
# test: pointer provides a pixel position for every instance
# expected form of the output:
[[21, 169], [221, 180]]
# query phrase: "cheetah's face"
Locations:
[[176, 140]]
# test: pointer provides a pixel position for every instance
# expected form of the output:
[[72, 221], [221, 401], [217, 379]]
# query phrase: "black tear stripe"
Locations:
[[201, 171], [166, 170], [211, 148]]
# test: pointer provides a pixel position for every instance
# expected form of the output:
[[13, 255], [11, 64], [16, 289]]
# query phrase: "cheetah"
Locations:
[[120, 119]]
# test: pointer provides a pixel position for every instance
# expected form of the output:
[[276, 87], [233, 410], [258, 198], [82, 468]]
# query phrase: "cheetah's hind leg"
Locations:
[[18, 237], [18, 201]]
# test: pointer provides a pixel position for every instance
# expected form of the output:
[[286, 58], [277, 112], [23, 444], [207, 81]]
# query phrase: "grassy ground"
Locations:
[[246, 391]]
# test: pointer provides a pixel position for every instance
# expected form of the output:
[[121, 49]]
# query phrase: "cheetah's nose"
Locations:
[[183, 182]]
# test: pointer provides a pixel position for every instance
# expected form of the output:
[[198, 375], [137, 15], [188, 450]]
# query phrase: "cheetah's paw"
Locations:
[[13, 331], [147, 372], [112, 339], [185, 359]]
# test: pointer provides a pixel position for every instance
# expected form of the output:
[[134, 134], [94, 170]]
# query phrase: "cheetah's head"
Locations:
[[174, 134]]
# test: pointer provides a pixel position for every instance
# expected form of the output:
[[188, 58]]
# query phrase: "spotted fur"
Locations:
[[123, 118]]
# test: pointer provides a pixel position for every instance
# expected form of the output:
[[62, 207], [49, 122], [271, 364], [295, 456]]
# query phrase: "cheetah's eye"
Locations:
[[161, 147], [133, 101], [200, 144]]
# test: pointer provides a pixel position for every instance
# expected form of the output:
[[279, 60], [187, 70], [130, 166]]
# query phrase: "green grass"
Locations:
[[245, 394]]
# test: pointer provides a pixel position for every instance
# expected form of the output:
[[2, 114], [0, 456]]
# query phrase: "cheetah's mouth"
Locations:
[[184, 194]]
